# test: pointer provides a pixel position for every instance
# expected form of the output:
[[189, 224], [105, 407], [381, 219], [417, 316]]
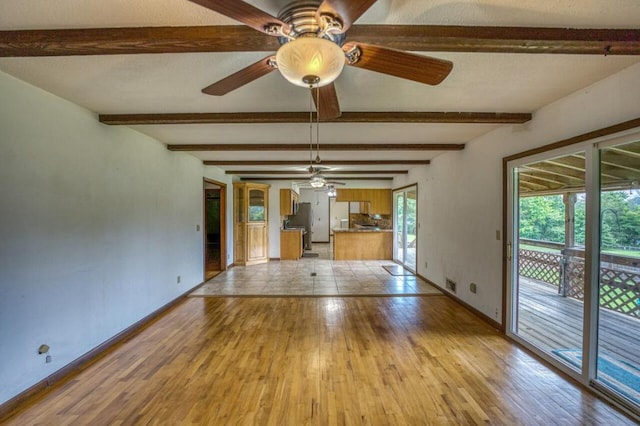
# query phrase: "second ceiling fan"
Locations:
[[313, 51]]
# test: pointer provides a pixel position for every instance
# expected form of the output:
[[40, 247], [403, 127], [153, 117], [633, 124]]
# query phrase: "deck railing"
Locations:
[[564, 269]]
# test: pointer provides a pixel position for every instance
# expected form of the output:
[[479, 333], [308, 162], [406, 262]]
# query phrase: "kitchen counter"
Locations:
[[335, 230], [362, 244]]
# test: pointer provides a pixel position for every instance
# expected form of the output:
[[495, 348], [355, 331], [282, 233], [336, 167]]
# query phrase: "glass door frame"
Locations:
[[404, 190], [591, 148]]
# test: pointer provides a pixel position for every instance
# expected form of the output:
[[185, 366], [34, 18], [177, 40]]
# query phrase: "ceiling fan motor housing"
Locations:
[[301, 17]]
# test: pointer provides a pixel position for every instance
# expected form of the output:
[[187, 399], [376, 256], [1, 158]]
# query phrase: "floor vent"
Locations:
[[451, 285]]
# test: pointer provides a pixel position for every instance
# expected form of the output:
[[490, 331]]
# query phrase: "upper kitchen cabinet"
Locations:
[[379, 200], [251, 224], [288, 202]]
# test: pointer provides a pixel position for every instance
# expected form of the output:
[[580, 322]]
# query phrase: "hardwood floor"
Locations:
[[319, 361]]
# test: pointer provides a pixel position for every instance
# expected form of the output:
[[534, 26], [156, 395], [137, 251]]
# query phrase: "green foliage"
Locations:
[[542, 218]]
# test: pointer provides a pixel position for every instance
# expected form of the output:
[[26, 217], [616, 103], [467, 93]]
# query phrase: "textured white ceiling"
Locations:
[[172, 82]]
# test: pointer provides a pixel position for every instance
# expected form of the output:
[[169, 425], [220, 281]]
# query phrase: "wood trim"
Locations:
[[93, 355], [605, 131], [325, 147], [306, 162], [493, 323], [324, 172], [303, 117], [405, 187], [240, 38], [505, 220]]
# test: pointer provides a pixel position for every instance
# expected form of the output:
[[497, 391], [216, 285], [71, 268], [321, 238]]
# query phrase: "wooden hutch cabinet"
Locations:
[[251, 224]]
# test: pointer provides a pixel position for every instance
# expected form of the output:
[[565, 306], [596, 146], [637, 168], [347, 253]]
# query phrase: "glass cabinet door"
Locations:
[[239, 204], [257, 208]]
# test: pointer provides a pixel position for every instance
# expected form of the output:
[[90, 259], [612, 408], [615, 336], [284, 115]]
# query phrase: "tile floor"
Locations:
[[316, 276]]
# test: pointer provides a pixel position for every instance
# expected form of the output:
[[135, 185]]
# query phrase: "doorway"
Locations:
[[573, 261], [215, 250], [405, 230]]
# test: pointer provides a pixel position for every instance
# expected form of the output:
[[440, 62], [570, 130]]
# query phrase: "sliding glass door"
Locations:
[[618, 349], [573, 261], [548, 241], [405, 206]]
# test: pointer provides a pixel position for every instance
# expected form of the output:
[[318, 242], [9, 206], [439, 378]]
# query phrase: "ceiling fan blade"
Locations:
[[398, 63], [329, 107], [333, 182], [243, 12], [348, 11], [240, 78]]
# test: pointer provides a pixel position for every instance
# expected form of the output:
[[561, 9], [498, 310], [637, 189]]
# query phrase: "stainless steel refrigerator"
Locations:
[[303, 219]]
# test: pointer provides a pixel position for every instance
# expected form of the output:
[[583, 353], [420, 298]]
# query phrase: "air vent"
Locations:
[[451, 285]]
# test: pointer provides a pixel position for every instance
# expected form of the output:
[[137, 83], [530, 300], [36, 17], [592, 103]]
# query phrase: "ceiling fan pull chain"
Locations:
[[310, 128], [318, 124]]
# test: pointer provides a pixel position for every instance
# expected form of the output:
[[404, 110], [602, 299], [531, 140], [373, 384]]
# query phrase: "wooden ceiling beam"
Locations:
[[325, 147], [306, 162], [556, 180], [323, 172], [238, 38], [543, 167], [303, 117], [252, 178]]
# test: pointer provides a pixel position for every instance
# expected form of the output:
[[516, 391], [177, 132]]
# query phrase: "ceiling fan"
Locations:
[[312, 35]]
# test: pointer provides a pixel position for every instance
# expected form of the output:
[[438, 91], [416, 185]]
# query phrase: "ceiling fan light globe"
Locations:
[[310, 56], [317, 182]]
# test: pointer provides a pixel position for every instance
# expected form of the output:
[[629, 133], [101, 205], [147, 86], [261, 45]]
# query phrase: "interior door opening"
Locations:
[[214, 229]]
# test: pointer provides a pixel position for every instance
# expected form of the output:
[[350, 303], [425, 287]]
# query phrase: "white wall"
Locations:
[[319, 201], [337, 212], [460, 193], [96, 223]]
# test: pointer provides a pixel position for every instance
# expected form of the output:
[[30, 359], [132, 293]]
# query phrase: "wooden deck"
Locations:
[[555, 322]]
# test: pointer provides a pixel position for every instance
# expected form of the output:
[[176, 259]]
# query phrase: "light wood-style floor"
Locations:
[[318, 361]]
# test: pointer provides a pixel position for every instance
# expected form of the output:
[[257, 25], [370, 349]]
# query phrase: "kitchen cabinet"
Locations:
[[380, 201], [291, 244], [251, 225], [288, 202], [372, 200], [349, 244]]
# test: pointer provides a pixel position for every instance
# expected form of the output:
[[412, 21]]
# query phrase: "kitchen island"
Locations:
[[362, 244]]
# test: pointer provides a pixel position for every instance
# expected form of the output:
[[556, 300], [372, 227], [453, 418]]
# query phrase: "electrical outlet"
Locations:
[[178, 280], [48, 359], [498, 235], [473, 288], [197, 228], [451, 285], [425, 264]]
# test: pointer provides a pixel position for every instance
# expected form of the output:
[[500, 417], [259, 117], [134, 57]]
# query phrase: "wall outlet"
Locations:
[[197, 228], [178, 280], [425, 264], [451, 285], [473, 288], [48, 359], [498, 235]]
